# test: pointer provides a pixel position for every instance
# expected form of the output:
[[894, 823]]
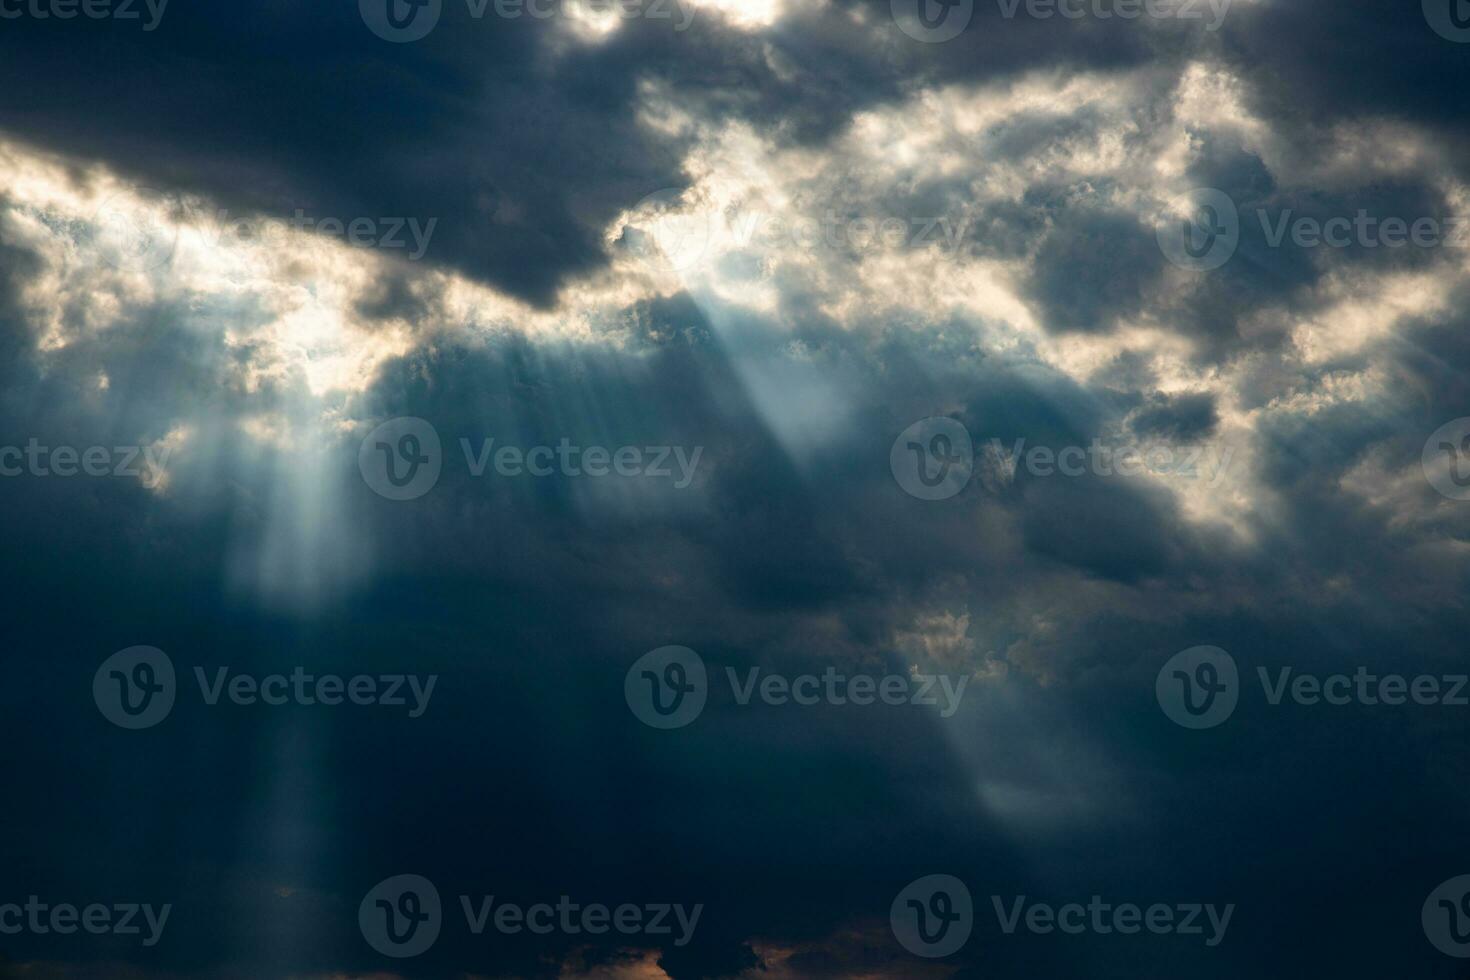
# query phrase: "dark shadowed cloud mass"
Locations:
[[675, 476]]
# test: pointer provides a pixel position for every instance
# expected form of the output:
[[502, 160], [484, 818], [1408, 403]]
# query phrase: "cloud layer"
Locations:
[[779, 236]]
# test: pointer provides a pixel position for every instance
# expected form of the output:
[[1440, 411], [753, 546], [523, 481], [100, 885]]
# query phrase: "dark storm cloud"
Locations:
[[1092, 268], [16, 266], [395, 297], [1316, 64], [348, 800], [524, 144], [1181, 418], [746, 570], [273, 109], [530, 604]]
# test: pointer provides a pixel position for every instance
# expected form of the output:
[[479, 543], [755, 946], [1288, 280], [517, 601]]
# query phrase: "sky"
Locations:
[[734, 488]]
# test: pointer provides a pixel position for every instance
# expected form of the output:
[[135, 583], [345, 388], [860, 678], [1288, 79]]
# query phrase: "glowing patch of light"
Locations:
[[748, 15]]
